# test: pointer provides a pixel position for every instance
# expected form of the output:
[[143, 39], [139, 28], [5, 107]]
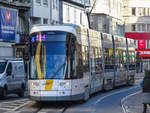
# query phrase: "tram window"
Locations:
[[124, 57], [92, 59], [108, 57], [120, 56], [85, 58], [79, 62], [98, 59], [71, 45]]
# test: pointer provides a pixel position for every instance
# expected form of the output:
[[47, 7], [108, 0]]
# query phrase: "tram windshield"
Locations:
[[48, 55]]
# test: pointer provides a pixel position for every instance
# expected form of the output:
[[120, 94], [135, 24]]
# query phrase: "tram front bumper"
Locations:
[[47, 96]]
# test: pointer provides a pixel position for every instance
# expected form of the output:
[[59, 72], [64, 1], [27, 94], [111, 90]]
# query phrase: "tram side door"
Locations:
[[76, 70]]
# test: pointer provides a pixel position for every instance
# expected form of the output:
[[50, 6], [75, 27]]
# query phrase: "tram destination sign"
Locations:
[[8, 22]]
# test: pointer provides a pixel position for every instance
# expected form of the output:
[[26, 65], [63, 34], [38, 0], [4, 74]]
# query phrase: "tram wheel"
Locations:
[[86, 94]]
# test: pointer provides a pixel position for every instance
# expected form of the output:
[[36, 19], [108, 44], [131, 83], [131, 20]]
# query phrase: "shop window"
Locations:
[[133, 11]]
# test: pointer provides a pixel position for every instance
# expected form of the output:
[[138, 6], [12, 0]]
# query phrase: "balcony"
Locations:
[[83, 3]]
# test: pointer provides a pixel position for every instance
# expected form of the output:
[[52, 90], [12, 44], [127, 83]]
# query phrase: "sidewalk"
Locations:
[[133, 104]]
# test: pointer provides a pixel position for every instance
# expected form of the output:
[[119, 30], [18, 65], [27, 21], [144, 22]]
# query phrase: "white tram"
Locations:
[[69, 62]]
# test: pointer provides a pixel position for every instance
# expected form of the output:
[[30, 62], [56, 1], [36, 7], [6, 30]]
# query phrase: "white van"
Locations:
[[12, 77]]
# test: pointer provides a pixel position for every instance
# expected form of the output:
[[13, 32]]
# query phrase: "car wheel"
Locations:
[[21, 93], [4, 92]]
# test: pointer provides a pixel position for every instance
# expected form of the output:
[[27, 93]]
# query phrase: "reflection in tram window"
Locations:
[[85, 59], [108, 56]]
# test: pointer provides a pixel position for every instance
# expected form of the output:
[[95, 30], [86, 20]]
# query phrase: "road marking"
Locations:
[[102, 98], [14, 105], [123, 107]]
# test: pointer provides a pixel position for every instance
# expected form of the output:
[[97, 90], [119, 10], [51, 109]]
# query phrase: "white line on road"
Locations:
[[123, 107], [99, 100]]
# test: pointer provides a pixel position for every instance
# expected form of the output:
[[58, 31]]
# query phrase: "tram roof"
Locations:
[[70, 28]]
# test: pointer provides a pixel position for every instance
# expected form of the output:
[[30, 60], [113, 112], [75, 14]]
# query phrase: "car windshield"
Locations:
[[48, 60], [2, 66]]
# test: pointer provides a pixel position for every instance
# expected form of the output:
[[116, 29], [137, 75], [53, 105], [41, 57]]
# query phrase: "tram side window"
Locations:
[[120, 57], [79, 63], [98, 59], [74, 54], [93, 63], [71, 57], [85, 59], [131, 57], [124, 57], [107, 57]]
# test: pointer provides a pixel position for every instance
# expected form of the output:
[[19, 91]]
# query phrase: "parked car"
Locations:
[[12, 77]]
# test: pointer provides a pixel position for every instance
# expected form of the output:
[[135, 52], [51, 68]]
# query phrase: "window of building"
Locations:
[[45, 21], [148, 44], [75, 16], [144, 11], [38, 2], [140, 11], [143, 27], [68, 14], [149, 11], [133, 27], [45, 2], [133, 11], [148, 27], [81, 18], [139, 27]]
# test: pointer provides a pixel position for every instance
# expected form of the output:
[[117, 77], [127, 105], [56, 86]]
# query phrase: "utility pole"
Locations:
[[88, 13]]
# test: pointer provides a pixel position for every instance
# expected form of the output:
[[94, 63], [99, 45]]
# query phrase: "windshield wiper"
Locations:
[[58, 70]]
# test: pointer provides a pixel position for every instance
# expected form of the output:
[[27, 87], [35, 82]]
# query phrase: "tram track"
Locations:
[[55, 108]]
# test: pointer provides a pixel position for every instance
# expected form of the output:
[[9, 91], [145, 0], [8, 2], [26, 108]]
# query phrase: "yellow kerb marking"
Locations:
[[49, 84]]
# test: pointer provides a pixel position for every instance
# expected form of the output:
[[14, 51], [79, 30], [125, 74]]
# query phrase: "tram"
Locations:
[[69, 62]]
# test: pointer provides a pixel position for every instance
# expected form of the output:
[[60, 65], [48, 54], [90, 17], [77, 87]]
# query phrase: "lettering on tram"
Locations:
[[70, 62]]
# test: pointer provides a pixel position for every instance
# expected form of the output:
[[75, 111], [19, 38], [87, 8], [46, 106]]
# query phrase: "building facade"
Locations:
[[107, 17], [74, 12], [21, 23], [136, 14], [44, 12]]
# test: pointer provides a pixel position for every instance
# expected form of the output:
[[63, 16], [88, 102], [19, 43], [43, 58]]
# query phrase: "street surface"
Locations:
[[102, 102]]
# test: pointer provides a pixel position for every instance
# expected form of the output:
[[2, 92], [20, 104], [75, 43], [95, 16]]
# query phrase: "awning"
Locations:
[[136, 36]]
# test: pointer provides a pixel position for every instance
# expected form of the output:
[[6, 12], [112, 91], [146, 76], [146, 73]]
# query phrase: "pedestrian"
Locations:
[[145, 83]]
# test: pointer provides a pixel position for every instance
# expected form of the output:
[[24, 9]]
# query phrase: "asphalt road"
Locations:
[[102, 102], [109, 102]]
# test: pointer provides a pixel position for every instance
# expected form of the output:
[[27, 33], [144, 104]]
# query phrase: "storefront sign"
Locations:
[[8, 22], [141, 44]]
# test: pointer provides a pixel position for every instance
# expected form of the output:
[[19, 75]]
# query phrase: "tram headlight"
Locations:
[[64, 83], [34, 84]]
